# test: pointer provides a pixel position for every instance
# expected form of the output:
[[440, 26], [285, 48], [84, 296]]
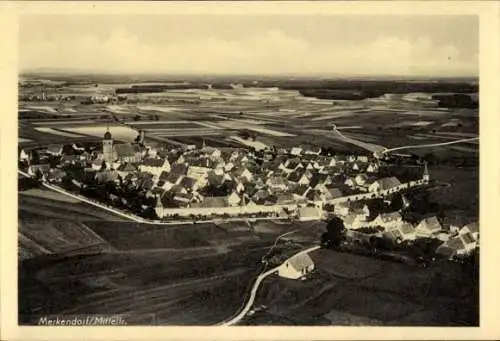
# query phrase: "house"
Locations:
[[456, 246], [170, 179], [315, 196], [190, 184], [351, 182], [43, 166], [362, 158], [23, 156], [428, 227], [452, 223], [402, 232], [354, 220], [179, 168], [332, 193], [54, 149], [284, 198], [277, 182], [372, 168], [212, 153], [125, 152], [296, 267], [472, 229], [291, 165], [310, 213], [125, 168], [355, 166], [260, 196], [107, 176], [384, 184], [361, 179], [312, 151], [228, 166], [299, 177], [296, 151], [389, 220], [318, 180], [300, 192], [154, 165], [200, 169], [233, 199], [212, 202], [56, 175], [242, 173]]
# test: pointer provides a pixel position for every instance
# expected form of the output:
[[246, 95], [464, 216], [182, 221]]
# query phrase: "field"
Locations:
[[348, 289], [78, 259]]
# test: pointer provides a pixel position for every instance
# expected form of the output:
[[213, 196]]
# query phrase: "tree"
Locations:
[[335, 233]]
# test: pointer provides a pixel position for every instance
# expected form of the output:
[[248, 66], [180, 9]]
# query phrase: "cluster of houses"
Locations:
[[458, 238], [216, 177]]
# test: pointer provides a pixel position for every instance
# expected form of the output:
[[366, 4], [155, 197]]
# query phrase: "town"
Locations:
[[161, 185]]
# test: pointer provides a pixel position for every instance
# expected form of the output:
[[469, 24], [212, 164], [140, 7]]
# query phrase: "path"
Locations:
[[387, 150], [374, 148], [255, 287]]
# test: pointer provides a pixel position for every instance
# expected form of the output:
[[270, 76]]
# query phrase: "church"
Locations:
[[122, 152]]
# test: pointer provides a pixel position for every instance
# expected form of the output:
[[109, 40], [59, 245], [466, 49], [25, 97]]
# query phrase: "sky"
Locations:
[[252, 44]]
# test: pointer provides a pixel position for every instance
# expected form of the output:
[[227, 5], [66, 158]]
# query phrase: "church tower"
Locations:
[[107, 146], [426, 176]]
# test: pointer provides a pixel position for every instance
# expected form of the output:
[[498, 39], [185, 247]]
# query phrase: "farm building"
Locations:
[[384, 184], [428, 227], [296, 267]]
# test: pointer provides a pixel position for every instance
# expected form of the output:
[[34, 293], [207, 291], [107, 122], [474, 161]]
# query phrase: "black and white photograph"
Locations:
[[248, 169]]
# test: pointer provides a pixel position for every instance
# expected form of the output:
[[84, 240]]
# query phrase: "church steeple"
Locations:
[[107, 134], [426, 176], [107, 146]]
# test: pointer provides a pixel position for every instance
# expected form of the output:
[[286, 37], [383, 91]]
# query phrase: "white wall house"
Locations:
[[296, 267]]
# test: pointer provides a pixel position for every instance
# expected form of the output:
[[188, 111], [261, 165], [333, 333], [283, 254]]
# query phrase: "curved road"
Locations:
[[387, 150], [377, 148], [255, 287]]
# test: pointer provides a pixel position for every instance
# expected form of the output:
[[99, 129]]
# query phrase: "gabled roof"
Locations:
[[407, 228], [318, 179], [467, 238], [431, 224], [386, 217], [455, 243], [300, 262], [213, 202], [473, 227], [284, 197], [301, 190], [54, 148], [215, 179], [276, 180], [387, 183], [293, 164], [295, 176]]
